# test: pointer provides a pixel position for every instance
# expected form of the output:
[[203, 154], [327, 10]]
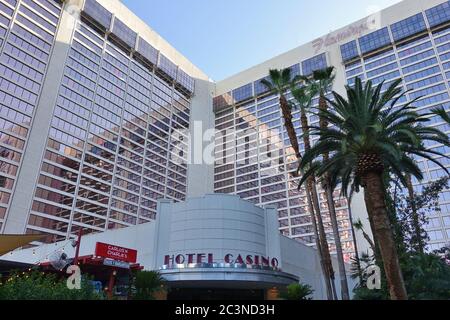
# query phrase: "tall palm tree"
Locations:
[[279, 82], [303, 97], [323, 79], [370, 138]]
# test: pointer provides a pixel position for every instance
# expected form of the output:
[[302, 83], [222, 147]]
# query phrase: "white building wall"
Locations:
[[217, 224]]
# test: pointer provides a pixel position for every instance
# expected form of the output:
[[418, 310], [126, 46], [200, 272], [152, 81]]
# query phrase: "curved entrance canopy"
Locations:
[[227, 278]]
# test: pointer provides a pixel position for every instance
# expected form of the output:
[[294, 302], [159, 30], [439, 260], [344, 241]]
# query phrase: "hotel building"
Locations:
[[97, 110], [410, 40]]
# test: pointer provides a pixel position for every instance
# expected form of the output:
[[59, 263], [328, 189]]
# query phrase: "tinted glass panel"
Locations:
[[124, 33], [313, 64], [259, 87], [438, 14], [374, 40], [408, 27], [185, 80], [98, 13], [167, 66], [295, 70], [349, 50], [243, 92], [147, 51]]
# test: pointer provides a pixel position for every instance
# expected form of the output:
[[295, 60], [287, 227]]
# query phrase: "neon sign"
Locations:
[[203, 258]]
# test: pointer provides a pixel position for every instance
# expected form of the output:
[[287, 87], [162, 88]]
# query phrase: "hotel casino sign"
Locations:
[[332, 39], [207, 260]]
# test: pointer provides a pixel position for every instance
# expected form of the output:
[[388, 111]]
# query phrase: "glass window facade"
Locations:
[[118, 134], [408, 27], [422, 64], [254, 160], [24, 56], [316, 63], [147, 51], [243, 93], [439, 14], [374, 40], [127, 35], [98, 13], [349, 50], [167, 66]]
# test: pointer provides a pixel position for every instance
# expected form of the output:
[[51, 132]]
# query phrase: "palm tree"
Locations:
[[371, 138], [441, 112], [144, 285], [324, 79], [279, 82], [304, 96]]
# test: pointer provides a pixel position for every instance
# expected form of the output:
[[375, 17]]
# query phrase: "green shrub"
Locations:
[[145, 284], [297, 291], [40, 286]]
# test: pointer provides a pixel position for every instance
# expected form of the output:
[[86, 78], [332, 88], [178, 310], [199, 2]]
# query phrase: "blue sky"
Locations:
[[223, 37]]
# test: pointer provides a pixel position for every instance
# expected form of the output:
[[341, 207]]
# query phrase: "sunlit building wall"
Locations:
[[112, 123], [410, 40]]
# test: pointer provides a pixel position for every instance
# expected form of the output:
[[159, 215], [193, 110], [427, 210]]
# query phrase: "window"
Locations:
[[167, 66], [439, 14], [295, 70], [374, 40], [124, 33], [147, 51], [102, 16], [315, 63], [260, 87], [243, 93], [408, 27], [185, 80], [349, 51]]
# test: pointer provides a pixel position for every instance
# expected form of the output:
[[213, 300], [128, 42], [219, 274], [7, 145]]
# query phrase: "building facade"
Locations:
[[410, 40], [95, 106], [97, 112], [211, 247]]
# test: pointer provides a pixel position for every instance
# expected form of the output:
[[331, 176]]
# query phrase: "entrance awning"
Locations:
[[10, 242]]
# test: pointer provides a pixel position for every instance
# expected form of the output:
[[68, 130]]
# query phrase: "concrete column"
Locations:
[[162, 233], [273, 244], [201, 173]]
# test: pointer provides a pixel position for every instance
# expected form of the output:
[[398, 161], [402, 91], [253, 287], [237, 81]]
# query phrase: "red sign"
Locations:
[[115, 252]]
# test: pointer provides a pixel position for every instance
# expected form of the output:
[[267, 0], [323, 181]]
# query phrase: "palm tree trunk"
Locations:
[[375, 243], [287, 116], [419, 243], [337, 240], [315, 207], [319, 246], [323, 237], [332, 211], [325, 253], [374, 195]]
